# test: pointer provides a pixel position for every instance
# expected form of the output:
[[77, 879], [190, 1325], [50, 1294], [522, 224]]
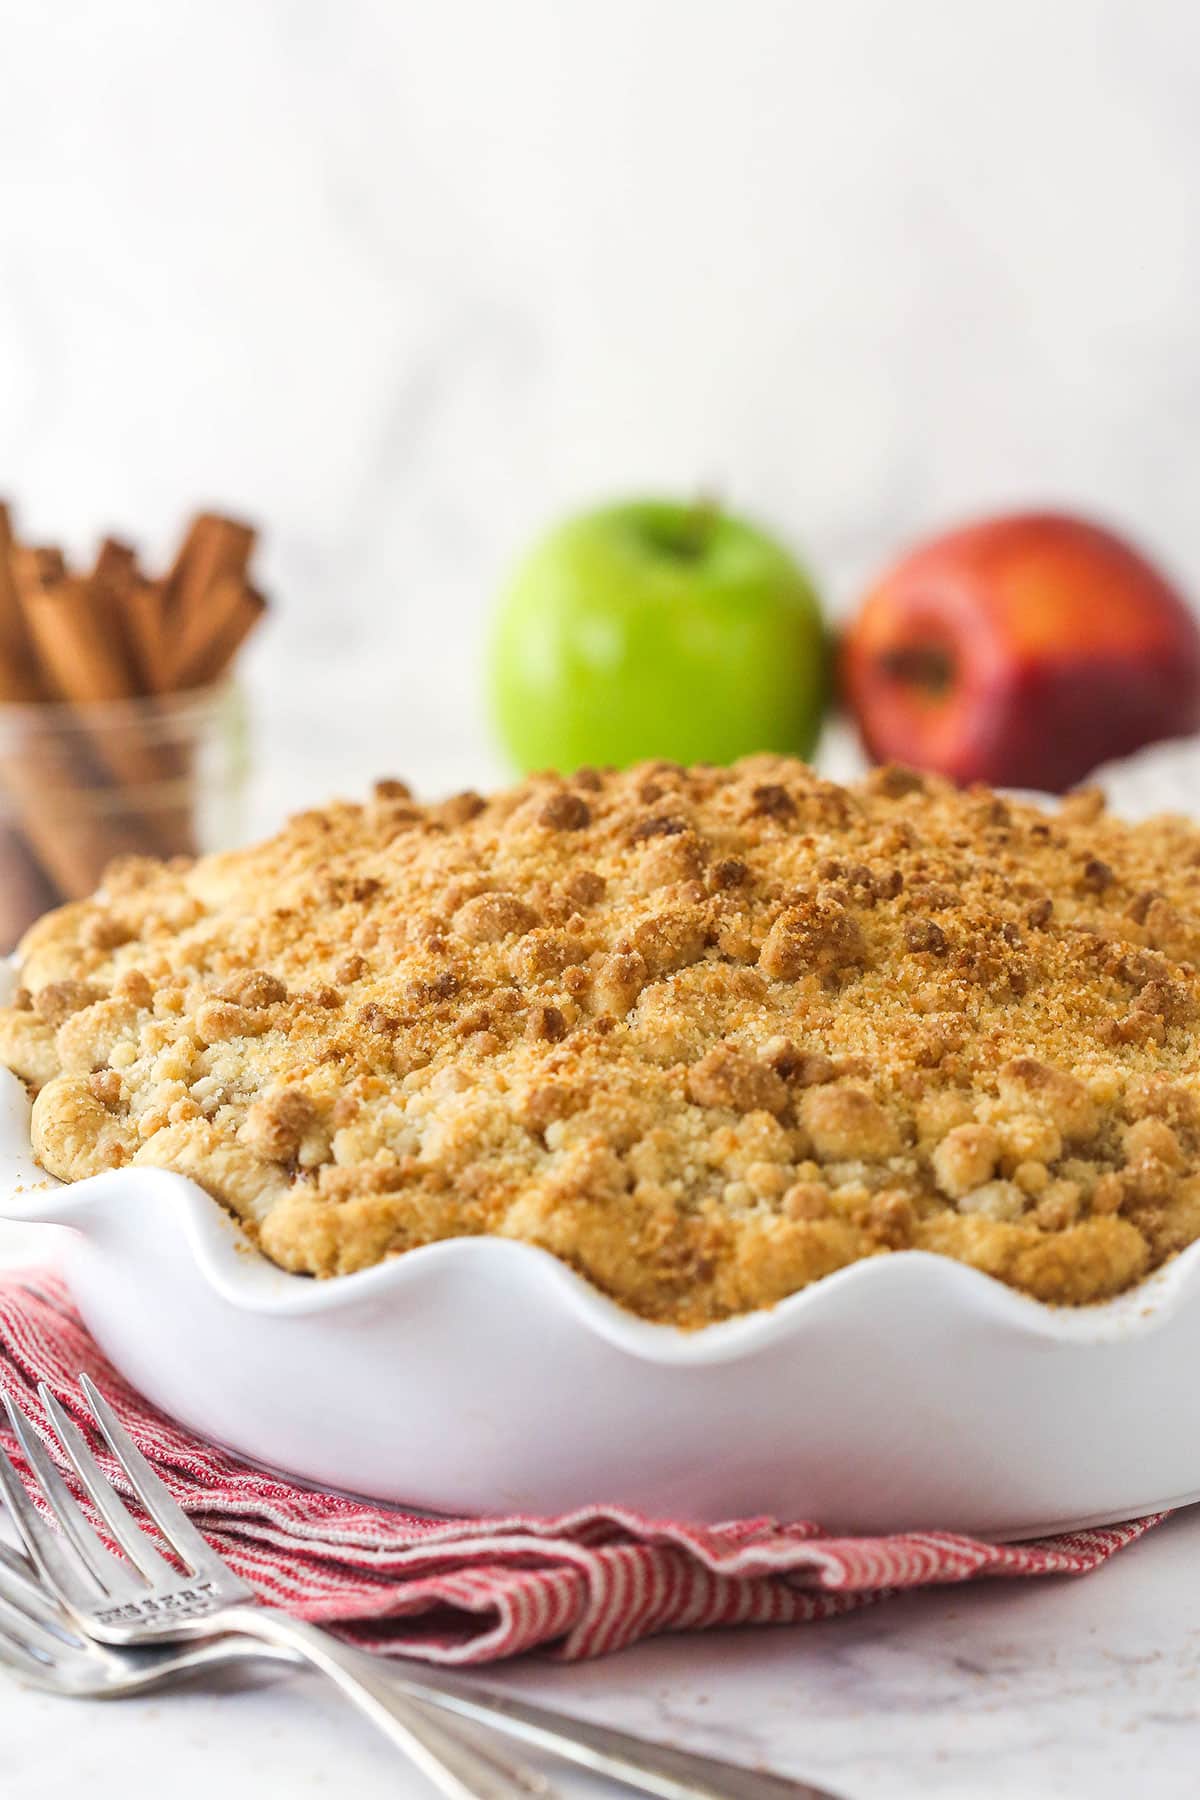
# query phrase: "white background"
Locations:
[[403, 279]]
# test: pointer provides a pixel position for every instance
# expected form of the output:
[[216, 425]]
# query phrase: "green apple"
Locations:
[[657, 629]]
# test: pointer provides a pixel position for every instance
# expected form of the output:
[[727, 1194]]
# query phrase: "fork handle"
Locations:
[[659, 1770], [456, 1762], [646, 1767]]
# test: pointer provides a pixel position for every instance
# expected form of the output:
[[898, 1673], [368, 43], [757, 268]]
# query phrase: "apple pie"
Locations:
[[705, 1034]]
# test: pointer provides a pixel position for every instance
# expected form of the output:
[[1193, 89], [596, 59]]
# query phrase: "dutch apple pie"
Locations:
[[705, 1034]]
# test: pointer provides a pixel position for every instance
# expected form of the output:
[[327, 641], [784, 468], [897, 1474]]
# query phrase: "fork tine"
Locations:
[[32, 1633], [20, 1587], [14, 1656], [116, 1580], [16, 1560], [133, 1539], [59, 1564], [170, 1518]]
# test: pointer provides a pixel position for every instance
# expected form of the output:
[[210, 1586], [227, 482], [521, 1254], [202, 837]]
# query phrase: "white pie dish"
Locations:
[[481, 1375]]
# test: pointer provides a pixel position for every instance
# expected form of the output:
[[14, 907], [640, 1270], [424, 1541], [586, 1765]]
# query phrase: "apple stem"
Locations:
[[927, 666], [697, 526]]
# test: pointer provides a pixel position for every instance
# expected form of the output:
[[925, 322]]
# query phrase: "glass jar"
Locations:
[[80, 785]]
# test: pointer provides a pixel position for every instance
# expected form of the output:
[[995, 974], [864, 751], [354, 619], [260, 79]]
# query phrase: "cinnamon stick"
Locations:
[[214, 548], [147, 633], [113, 574], [111, 773], [72, 841], [73, 824], [35, 567], [231, 612], [83, 661], [25, 892], [78, 645], [18, 672]]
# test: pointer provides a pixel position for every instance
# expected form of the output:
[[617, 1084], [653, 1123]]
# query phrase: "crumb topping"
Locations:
[[706, 1034]]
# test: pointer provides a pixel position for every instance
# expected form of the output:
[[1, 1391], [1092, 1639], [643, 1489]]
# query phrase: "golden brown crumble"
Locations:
[[705, 1034]]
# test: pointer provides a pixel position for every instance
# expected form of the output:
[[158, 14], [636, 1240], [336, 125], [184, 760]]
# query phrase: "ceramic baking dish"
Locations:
[[479, 1374]]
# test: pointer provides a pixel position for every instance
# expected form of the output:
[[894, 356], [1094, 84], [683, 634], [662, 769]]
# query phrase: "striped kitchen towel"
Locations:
[[475, 1590]]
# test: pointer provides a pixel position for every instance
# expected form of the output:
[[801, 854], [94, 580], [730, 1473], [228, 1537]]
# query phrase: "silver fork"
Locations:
[[42, 1644], [144, 1600], [156, 1606]]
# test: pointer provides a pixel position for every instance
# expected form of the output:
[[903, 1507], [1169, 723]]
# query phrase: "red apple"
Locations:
[[1022, 652]]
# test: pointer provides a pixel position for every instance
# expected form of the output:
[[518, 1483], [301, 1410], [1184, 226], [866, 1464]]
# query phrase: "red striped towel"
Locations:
[[475, 1590]]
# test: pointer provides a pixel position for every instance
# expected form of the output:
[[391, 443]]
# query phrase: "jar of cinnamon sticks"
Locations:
[[120, 730]]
